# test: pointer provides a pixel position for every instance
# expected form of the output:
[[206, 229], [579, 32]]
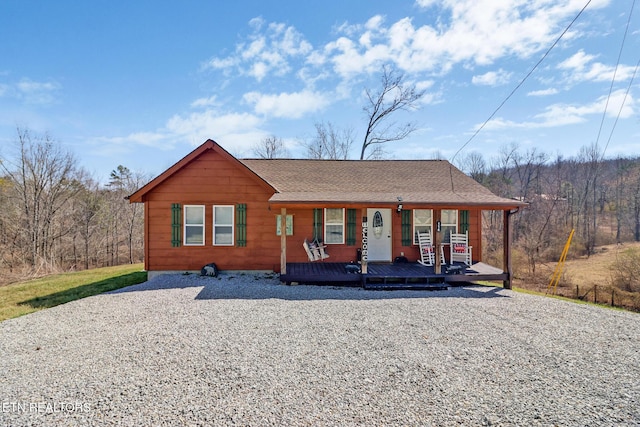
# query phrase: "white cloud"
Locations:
[[204, 102], [543, 92], [222, 63], [121, 145], [209, 123], [269, 49], [237, 131], [477, 32], [562, 114], [29, 86], [287, 105], [426, 3], [467, 33], [577, 62], [151, 139], [33, 92], [492, 78], [614, 105], [425, 84], [582, 67]]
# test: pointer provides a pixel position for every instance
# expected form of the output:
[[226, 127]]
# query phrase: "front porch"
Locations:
[[389, 276]]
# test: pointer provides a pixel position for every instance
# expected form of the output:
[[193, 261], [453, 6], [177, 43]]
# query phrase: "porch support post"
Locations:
[[365, 244], [437, 238], [506, 248], [283, 240]]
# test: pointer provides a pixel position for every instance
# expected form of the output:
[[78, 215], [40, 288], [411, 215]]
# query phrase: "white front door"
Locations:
[[379, 236]]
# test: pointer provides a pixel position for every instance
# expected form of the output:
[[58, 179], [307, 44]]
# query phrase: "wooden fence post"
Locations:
[[595, 294], [613, 291]]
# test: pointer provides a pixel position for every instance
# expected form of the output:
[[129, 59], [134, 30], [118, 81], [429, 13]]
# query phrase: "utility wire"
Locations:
[[593, 174], [633, 76], [521, 82], [604, 113]]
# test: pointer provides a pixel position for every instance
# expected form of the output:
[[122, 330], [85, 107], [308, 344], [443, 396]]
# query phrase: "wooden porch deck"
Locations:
[[410, 275]]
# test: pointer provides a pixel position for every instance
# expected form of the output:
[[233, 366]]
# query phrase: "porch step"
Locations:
[[406, 286]]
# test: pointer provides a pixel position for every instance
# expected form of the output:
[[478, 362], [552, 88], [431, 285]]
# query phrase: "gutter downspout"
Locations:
[[506, 247]]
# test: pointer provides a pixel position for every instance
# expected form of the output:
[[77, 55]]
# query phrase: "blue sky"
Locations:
[[142, 83]]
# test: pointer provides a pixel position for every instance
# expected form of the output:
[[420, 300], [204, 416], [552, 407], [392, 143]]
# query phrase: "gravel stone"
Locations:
[[242, 349]]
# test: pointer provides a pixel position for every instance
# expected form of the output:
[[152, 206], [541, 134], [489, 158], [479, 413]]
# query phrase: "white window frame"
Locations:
[[327, 223], [186, 225], [428, 226], [232, 225]]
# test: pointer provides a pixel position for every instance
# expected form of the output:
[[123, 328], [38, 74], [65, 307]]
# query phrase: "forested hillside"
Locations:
[[55, 217], [599, 198]]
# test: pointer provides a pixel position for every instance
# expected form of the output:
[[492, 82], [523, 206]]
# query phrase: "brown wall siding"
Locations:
[[475, 233], [212, 180]]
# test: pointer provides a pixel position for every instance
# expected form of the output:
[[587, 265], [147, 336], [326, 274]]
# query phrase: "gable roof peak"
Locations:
[[209, 144]]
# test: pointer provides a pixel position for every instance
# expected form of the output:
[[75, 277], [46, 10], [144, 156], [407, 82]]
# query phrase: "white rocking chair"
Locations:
[[427, 254], [315, 250], [460, 249]]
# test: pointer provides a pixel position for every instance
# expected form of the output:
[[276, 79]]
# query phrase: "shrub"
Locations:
[[624, 273]]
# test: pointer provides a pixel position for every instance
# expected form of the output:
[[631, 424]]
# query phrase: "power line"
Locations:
[[521, 82], [604, 113]]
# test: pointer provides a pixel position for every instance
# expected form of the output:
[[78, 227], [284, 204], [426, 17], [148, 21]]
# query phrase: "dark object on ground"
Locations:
[[352, 268], [210, 270]]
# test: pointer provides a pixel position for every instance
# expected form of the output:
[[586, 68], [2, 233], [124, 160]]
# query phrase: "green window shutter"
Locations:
[[176, 224], [464, 221], [406, 228], [351, 227], [241, 225], [317, 224]]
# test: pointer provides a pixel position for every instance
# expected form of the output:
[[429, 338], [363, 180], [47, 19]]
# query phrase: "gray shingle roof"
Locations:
[[381, 181]]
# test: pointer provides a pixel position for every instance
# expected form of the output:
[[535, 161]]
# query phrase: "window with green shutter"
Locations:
[[406, 228], [317, 224], [176, 224], [351, 227], [241, 224], [464, 221]]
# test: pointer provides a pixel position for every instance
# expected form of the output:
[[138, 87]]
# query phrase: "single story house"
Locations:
[[255, 214]]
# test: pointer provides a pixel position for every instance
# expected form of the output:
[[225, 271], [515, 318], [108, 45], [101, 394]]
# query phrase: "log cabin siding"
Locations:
[[211, 180]]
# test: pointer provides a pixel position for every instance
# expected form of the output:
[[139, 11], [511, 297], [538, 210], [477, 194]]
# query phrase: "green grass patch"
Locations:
[[22, 298], [544, 294]]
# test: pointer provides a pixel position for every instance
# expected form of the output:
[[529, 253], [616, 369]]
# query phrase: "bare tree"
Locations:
[[393, 95], [42, 180], [330, 143], [86, 206], [10, 248], [474, 165], [587, 203], [270, 148], [124, 182], [527, 169]]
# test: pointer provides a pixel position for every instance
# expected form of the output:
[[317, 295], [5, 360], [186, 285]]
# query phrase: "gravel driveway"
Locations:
[[245, 350]]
